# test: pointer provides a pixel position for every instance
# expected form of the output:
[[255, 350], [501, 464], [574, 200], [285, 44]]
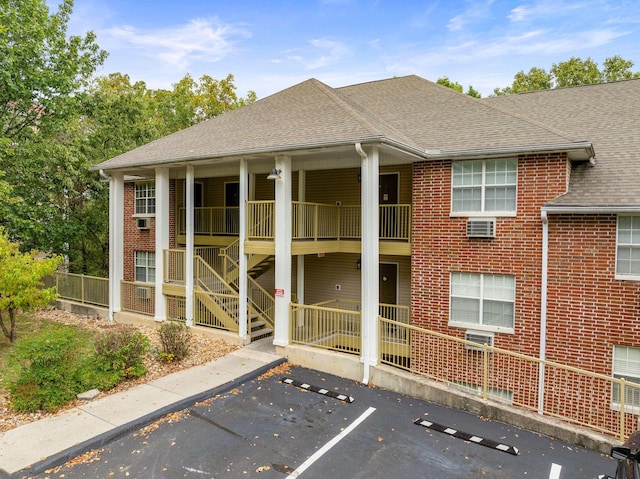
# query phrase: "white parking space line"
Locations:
[[324, 449], [555, 471]]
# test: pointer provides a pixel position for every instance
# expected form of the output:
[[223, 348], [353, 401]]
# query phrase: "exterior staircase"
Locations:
[[218, 292]]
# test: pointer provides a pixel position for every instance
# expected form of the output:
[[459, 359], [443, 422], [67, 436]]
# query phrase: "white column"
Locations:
[[242, 257], [370, 256], [116, 242], [302, 184], [283, 250], [189, 253], [162, 238]]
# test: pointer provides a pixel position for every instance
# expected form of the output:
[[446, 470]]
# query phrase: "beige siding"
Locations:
[[323, 274], [342, 185]]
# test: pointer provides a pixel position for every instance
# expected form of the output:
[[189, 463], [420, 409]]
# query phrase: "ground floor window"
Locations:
[[626, 364], [482, 300], [145, 267]]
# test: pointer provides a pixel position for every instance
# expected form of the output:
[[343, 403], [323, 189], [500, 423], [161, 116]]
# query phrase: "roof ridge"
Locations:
[[348, 103]]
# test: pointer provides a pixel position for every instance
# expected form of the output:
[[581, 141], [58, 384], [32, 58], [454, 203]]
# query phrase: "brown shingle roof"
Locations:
[[606, 114], [411, 112]]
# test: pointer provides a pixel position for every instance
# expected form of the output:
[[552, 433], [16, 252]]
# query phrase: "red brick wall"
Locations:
[[143, 240], [589, 311], [440, 246]]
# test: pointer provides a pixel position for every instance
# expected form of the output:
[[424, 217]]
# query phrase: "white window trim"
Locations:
[[135, 267], [135, 213], [619, 276], [616, 406], [477, 326], [506, 214]]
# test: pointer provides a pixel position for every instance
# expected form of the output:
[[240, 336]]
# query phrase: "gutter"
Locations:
[[590, 209], [511, 150]]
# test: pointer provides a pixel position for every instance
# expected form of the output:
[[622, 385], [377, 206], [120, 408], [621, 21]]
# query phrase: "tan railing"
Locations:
[[388, 311], [328, 328], [578, 396], [83, 289], [210, 221], [138, 297], [395, 222], [174, 265], [260, 224], [261, 302], [314, 221]]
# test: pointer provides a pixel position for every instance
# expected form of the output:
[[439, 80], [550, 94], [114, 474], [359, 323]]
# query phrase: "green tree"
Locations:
[[572, 72], [21, 281], [41, 66], [444, 81]]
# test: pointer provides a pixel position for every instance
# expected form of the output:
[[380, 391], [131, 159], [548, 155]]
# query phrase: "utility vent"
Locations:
[[481, 228], [142, 223], [143, 292], [479, 337]]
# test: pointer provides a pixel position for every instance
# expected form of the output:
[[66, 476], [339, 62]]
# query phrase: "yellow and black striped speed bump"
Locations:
[[468, 437], [316, 389]]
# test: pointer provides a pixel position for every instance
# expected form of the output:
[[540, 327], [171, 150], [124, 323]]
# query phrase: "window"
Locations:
[[484, 186], [145, 267], [146, 198], [483, 301], [626, 364], [628, 251]]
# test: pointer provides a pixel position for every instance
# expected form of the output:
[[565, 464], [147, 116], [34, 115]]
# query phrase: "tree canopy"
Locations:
[[444, 81], [572, 72]]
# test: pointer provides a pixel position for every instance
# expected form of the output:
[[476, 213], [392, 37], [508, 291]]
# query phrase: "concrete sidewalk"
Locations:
[[43, 444]]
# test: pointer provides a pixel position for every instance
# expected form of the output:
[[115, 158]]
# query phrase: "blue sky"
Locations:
[[270, 45]]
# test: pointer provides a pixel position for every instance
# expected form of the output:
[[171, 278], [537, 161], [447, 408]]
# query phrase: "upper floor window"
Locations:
[[146, 198], [628, 251], [145, 267], [626, 364], [484, 186], [483, 301]]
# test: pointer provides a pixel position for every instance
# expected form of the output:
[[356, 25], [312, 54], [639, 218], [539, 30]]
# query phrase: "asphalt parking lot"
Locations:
[[296, 422]]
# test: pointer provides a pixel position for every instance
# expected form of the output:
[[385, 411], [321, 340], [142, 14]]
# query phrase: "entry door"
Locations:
[[388, 289], [388, 196], [231, 201]]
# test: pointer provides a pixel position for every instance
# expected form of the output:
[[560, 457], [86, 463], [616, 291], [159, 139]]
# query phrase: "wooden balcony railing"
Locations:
[[211, 221]]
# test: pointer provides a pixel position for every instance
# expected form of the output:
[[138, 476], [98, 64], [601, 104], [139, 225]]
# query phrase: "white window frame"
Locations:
[[141, 260], [144, 212], [621, 354], [632, 244], [479, 326], [483, 186]]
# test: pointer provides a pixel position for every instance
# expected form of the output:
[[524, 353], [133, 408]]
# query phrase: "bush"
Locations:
[[120, 355], [51, 367], [174, 340]]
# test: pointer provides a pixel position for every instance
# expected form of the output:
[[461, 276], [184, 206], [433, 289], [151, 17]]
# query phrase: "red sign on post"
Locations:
[[279, 292]]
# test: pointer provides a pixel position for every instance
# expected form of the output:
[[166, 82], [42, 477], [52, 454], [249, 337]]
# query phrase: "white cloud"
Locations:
[[324, 52], [544, 9], [198, 40]]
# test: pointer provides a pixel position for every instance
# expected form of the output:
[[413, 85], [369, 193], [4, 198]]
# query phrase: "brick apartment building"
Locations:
[[514, 220]]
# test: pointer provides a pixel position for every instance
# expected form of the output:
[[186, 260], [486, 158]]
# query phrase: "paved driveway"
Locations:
[[268, 428]]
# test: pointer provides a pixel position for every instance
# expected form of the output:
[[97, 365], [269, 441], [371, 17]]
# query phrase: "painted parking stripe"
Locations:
[[316, 389], [467, 437], [324, 449], [555, 471]]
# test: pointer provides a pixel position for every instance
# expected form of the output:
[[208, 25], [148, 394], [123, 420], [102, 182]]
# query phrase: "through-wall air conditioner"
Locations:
[[142, 223], [481, 228], [480, 338], [143, 292]]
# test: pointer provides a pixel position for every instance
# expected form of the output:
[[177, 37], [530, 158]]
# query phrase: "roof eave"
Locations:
[[576, 209], [577, 151]]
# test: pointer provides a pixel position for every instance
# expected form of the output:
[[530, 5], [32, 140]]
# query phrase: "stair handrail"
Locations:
[[260, 300], [203, 270]]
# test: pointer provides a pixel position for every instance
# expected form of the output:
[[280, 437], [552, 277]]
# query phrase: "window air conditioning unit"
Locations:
[[479, 337], [481, 228], [143, 292], [142, 223]]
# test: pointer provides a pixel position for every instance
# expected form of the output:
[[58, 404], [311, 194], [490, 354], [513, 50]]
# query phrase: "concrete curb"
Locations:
[[119, 431]]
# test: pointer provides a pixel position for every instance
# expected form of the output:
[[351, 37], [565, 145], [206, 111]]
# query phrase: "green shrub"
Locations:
[[50, 368], [174, 340], [120, 354]]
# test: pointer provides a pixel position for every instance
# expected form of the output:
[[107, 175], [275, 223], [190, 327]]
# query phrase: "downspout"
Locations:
[[365, 331], [543, 309]]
